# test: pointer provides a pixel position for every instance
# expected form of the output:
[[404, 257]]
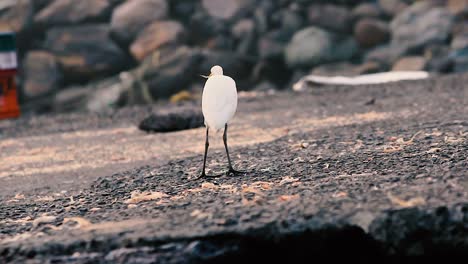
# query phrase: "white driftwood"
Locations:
[[374, 78]]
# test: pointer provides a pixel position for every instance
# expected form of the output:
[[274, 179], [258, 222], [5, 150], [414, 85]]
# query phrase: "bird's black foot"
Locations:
[[206, 176], [235, 172]]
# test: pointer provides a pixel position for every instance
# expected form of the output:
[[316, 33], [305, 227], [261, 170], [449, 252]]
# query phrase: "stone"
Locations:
[[410, 63], [335, 69], [386, 55], [70, 99], [370, 32], [129, 18], [172, 121], [460, 60], [291, 21], [366, 10], [265, 86], [459, 42], [392, 7], [438, 59], [16, 15], [346, 69], [64, 12], [271, 45], [313, 46], [242, 28], [225, 10], [238, 67], [156, 35], [41, 74], [85, 51], [331, 17], [458, 7], [171, 71], [420, 25]]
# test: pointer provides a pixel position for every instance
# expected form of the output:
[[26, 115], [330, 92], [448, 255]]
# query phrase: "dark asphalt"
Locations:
[[395, 184]]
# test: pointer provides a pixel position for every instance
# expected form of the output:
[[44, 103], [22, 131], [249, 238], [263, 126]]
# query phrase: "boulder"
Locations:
[[16, 15], [242, 28], [172, 121], [170, 70], [420, 25], [129, 18], [370, 32], [331, 17], [64, 12], [458, 7], [156, 35], [41, 74], [460, 42], [438, 58], [366, 10], [410, 63], [386, 55], [238, 67], [392, 7], [313, 46], [222, 9], [271, 45], [85, 51], [346, 69]]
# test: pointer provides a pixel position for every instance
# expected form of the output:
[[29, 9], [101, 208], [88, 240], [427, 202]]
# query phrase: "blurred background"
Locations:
[[96, 55]]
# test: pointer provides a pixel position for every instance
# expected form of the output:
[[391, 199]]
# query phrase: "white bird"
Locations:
[[219, 104]]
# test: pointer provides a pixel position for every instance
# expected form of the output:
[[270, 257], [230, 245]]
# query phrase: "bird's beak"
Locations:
[[206, 77]]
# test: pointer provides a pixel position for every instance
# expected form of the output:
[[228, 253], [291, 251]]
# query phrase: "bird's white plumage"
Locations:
[[219, 99]]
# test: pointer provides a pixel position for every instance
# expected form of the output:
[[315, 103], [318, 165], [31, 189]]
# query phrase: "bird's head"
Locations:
[[215, 70]]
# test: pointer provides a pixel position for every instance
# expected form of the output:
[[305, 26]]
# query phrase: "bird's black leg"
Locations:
[[207, 144], [231, 169]]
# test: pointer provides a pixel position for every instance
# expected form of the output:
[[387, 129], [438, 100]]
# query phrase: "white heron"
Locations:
[[219, 104]]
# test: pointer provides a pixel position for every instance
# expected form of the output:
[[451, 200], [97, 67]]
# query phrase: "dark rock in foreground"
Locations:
[[170, 122]]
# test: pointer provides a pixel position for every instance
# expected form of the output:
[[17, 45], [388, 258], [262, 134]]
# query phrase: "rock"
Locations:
[[156, 35], [458, 7], [265, 86], [410, 63], [460, 42], [238, 67], [41, 74], [331, 17], [244, 32], [313, 46], [225, 10], [71, 99], [85, 51], [271, 45], [291, 21], [170, 122], [335, 69], [460, 60], [129, 18], [392, 7], [16, 15], [366, 10], [386, 55], [172, 72], [346, 69], [370, 32], [420, 25], [64, 12], [438, 59], [242, 28]]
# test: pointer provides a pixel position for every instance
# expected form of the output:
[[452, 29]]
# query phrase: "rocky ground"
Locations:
[[98, 54], [367, 171]]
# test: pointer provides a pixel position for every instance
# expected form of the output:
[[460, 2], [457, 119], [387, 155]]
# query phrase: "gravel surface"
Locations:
[[360, 172]]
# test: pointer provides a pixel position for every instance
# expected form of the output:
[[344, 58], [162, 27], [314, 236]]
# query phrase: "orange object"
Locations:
[[8, 63]]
